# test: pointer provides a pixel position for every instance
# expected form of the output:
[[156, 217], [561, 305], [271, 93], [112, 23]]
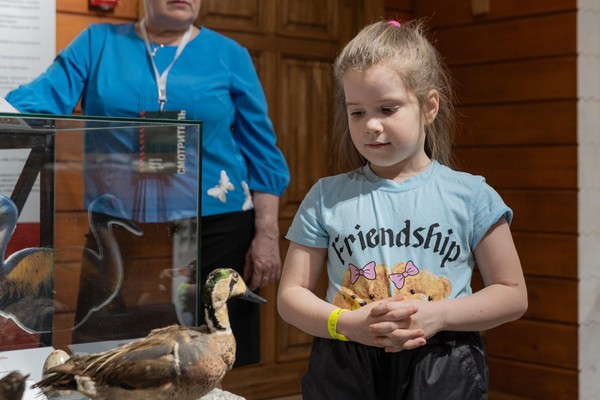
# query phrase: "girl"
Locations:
[[400, 235]]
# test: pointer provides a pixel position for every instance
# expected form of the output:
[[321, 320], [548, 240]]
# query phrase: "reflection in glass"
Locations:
[[102, 266]]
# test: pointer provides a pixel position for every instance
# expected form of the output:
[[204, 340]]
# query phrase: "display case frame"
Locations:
[[64, 172]]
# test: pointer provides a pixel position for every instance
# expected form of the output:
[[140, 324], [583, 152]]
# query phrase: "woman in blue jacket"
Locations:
[[165, 64]]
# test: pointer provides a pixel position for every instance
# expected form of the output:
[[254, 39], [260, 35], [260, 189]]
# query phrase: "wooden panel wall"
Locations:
[[72, 16], [399, 9], [515, 72]]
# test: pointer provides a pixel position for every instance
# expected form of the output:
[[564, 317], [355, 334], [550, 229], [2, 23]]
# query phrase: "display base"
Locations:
[[216, 394]]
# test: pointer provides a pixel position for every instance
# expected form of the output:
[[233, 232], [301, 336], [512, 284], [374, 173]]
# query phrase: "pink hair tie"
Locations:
[[395, 23]]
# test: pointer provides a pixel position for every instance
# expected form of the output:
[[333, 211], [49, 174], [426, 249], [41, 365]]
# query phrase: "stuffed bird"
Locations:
[[174, 362], [12, 386]]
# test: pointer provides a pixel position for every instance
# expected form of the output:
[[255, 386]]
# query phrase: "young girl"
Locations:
[[400, 235]]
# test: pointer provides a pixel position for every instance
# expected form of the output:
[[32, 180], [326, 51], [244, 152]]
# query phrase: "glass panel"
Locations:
[[106, 242]]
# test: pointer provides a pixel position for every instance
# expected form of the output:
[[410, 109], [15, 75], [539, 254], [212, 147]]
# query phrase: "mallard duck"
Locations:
[[12, 386], [26, 276], [102, 270], [174, 362]]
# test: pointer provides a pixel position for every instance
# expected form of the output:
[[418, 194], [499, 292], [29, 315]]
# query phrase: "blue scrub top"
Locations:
[[213, 80]]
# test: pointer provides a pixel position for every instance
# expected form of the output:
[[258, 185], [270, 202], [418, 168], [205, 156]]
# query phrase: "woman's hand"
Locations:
[[263, 260]]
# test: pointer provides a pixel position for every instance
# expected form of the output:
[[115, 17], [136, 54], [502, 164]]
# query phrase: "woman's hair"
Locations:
[[405, 48]]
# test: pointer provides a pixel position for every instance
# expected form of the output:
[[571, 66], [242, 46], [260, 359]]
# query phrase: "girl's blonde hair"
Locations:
[[406, 49]]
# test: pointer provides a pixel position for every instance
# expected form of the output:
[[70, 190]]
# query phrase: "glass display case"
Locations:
[[98, 228]]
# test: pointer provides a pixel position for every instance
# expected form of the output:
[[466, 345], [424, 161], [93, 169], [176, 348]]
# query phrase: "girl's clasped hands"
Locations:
[[394, 323]]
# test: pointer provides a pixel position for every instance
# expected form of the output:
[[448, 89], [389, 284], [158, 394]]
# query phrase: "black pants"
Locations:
[[226, 239], [451, 366]]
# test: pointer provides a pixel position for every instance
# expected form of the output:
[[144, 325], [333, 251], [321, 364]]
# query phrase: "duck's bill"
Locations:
[[253, 297]]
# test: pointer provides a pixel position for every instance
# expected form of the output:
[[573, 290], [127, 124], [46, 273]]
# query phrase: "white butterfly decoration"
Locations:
[[248, 205], [220, 191]]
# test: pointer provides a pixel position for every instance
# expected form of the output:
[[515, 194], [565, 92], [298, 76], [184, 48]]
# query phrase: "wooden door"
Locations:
[[293, 44]]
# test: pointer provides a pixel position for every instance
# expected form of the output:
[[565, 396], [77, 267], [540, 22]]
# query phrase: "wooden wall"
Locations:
[[399, 9], [515, 72], [72, 16]]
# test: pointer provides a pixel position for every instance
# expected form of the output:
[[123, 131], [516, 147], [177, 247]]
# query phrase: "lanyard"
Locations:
[[161, 79]]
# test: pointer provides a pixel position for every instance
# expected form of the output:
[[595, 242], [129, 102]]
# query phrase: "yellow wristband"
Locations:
[[332, 324]]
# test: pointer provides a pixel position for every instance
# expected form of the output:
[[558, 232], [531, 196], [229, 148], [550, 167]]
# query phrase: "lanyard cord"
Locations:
[[161, 79]]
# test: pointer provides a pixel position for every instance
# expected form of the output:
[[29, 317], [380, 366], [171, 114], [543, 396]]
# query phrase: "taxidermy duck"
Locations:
[[26, 276], [12, 386], [102, 270], [175, 362]]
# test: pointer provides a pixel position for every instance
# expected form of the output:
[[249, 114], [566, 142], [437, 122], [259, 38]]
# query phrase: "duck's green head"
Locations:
[[225, 283]]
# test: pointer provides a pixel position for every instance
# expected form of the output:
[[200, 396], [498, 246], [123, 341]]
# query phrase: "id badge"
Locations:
[[158, 146]]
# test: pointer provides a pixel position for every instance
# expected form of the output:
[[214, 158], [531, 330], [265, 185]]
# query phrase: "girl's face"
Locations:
[[172, 14], [386, 123]]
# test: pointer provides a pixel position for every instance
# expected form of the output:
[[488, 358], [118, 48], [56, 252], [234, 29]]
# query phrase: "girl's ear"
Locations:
[[432, 105]]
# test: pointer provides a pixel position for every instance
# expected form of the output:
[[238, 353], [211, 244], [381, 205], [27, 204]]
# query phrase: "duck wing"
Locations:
[[144, 363], [180, 356], [173, 359]]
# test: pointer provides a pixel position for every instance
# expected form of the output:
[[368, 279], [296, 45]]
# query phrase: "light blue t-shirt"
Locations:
[[374, 228]]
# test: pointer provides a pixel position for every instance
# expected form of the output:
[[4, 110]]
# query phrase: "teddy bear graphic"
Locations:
[[375, 282], [362, 286], [413, 283]]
